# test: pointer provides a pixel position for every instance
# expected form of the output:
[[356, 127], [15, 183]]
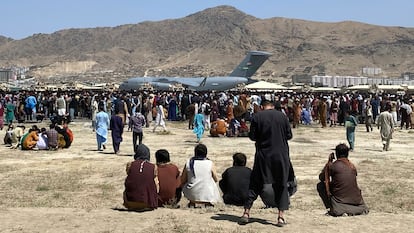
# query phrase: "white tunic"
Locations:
[[42, 142], [201, 187], [386, 123], [159, 119]]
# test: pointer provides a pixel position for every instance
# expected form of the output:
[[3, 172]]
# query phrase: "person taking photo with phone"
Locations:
[[338, 185]]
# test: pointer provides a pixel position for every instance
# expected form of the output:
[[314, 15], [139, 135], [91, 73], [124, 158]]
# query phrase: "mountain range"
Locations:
[[209, 43]]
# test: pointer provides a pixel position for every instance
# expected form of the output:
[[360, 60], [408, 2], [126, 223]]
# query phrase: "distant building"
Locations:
[[408, 76], [6, 76], [371, 71], [302, 78], [347, 81]]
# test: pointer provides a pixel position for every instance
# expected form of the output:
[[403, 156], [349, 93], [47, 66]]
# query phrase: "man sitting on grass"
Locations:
[[338, 187], [235, 181], [141, 183]]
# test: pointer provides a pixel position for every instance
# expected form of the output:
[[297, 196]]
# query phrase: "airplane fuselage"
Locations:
[[241, 74], [169, 83]]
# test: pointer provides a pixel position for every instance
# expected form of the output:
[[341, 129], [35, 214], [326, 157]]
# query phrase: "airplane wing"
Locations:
[[191, 82]]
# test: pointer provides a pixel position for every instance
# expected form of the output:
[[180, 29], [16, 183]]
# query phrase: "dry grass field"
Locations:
[[80, 189]]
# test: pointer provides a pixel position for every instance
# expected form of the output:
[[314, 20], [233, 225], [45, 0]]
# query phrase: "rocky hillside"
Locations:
[[212, 42]]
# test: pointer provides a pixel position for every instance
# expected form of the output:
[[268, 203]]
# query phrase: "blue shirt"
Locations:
[[102, 124]]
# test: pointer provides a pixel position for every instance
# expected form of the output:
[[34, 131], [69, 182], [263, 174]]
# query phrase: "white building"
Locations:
[[346, 81]]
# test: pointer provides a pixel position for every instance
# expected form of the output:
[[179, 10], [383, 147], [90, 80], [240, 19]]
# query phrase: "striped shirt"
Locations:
[[137, 122], [52, 138]]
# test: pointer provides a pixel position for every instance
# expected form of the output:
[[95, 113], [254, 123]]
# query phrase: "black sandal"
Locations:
[[281, 222], [208, 205], [191, 205], [244, 219]]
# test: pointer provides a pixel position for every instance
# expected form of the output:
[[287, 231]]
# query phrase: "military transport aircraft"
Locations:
[[240, 75]]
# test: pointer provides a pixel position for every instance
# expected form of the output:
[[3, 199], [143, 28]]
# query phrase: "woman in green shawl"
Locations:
[[10, 112]]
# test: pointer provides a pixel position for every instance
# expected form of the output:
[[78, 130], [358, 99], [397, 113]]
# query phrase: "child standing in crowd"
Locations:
[[350, 124], [198, 126], [136, 122]]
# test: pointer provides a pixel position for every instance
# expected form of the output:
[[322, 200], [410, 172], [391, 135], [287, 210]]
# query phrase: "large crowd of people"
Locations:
[[235, 108], [223, 114]]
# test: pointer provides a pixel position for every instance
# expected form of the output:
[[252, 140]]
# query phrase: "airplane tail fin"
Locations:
[[250, 64], [203, 83]]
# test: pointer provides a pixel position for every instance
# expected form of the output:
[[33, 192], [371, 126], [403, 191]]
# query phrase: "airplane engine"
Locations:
[[162, 86]]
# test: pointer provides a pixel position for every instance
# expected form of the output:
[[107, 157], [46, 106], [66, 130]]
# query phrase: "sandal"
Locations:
[[191, 205], [281, 222], [208, 205], [244, 219]]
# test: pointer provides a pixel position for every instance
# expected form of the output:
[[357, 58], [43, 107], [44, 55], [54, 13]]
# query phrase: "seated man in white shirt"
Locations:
[[42, 143]]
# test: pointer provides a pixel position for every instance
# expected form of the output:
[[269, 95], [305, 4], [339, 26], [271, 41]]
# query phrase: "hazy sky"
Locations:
[[23, 18]]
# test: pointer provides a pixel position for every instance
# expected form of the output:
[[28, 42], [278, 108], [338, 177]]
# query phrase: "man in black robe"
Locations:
[[270, 129], [117, 128]]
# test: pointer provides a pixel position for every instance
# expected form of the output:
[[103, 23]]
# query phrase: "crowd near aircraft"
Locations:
[[240, 75]]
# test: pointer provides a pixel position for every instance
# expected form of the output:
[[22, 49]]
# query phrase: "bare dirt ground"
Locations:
[[80, 189]]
